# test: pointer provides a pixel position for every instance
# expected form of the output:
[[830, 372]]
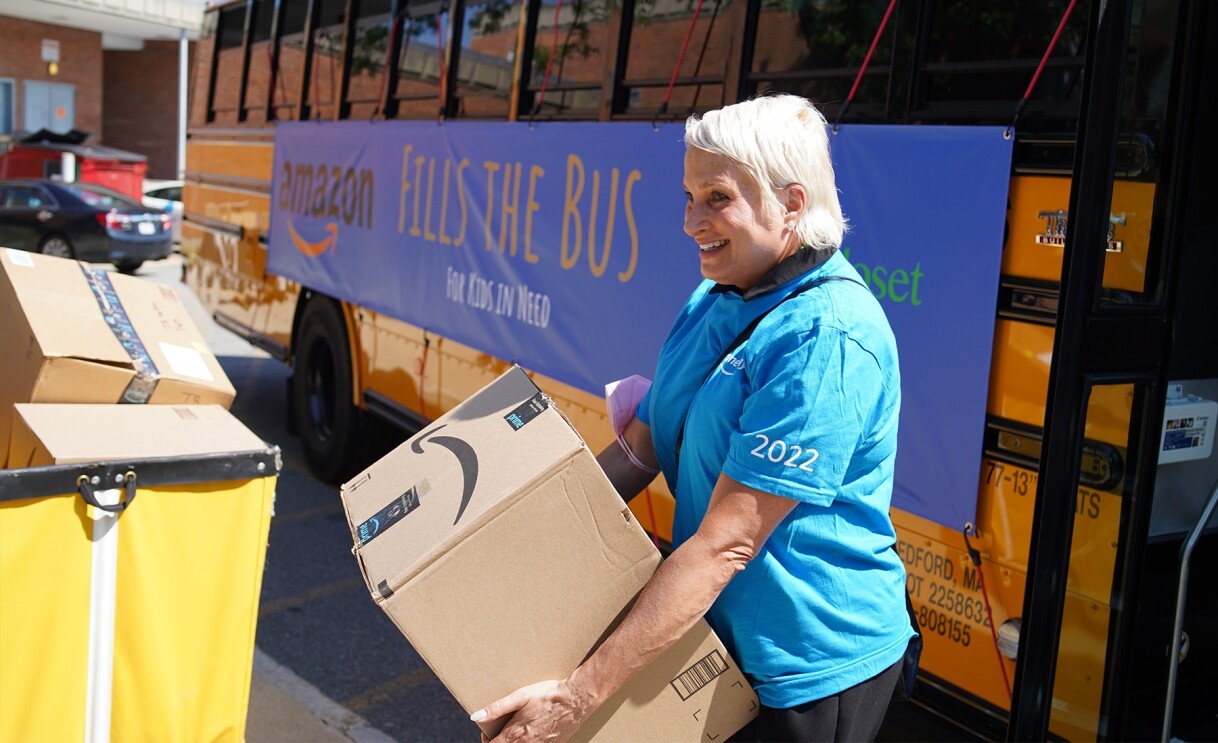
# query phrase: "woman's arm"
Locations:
[[627, 477], [738, 521]]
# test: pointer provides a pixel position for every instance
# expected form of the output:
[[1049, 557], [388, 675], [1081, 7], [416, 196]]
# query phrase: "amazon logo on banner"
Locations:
[[316, 248], [317, 191]]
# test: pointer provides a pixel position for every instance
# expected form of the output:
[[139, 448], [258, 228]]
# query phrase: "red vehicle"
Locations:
[[45, 154]]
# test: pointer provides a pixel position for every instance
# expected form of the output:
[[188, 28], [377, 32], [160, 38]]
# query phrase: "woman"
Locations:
[[779, 450]]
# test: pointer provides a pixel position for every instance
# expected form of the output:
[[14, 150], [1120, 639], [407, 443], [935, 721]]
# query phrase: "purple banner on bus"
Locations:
[[560, 247]]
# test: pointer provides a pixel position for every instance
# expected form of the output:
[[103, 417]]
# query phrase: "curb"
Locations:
[[328, 712]]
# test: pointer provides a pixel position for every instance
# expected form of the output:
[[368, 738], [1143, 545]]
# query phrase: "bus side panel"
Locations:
[[227, 271], [951, 608], [1019, 383], [960, 609], [1008, 492], [245, 155], [219, 270], [1038, 220]]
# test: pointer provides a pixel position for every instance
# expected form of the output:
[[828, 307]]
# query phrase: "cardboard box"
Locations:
[[498, 547], [62, 433], [77, 334]]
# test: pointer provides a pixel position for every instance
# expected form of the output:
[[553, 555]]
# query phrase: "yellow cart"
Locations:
[[129, 596]]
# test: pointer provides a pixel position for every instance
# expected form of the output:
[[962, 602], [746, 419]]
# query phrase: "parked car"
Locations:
[[82, 221], [166, 196]]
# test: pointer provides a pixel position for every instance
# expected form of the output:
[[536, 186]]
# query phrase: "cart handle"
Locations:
[[85, 486]]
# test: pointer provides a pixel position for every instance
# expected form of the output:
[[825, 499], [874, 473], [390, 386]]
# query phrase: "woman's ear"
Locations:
[[794, 199]]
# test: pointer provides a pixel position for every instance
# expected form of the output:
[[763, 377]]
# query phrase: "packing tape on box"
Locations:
[[143, 383]]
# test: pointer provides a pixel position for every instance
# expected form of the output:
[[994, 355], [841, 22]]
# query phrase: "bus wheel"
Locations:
[[326, 420]]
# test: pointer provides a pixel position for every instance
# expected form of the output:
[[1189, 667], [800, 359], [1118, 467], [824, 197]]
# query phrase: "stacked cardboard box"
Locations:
[[499, 548], [49, 433], [73, 333]]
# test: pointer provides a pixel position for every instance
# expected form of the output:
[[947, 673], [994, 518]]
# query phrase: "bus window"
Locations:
[[486, 59], [670, 49], [257, 88], [416, 86], [1083, 650], [981, 56], [225, 98], [369, 47], [815, 49], [1128, 264], [285, 97], [321, 87], [571, 42]]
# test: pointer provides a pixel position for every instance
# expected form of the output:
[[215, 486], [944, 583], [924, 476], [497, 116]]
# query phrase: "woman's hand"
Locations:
[[549, 711]]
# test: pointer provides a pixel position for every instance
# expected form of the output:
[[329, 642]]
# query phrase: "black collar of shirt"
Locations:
[[803, 261]]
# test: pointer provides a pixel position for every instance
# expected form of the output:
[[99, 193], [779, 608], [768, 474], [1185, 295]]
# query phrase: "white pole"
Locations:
[[67, 167], [103, 593]]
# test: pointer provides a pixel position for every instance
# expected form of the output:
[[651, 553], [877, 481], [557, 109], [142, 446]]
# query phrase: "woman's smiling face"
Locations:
[[741, 233]]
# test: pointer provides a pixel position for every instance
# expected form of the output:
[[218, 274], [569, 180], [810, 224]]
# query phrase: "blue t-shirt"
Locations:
[[806, 409]]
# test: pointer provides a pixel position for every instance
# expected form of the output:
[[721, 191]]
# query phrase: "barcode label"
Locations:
[[699, 675], [397, 509], [527, 411]]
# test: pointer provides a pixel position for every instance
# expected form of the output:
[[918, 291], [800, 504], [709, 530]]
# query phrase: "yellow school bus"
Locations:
[[1069, 605]]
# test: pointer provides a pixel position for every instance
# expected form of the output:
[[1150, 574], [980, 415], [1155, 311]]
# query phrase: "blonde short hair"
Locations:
[[779, 140]]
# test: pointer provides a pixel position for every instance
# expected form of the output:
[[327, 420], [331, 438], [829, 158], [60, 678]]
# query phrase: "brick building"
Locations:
[[116, 70]]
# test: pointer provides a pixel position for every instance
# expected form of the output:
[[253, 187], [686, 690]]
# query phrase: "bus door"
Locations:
[[1150, 73]]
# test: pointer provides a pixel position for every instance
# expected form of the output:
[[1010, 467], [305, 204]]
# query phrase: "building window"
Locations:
[[6, 106]]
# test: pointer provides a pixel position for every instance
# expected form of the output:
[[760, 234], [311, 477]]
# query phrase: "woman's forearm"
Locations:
[[738, 522], [676, 597], [625, 475]]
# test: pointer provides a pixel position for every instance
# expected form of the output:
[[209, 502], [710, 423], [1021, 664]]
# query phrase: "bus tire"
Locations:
[[327, 422]]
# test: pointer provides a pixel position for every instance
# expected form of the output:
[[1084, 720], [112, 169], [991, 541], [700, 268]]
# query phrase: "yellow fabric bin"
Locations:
[[137, 623]]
